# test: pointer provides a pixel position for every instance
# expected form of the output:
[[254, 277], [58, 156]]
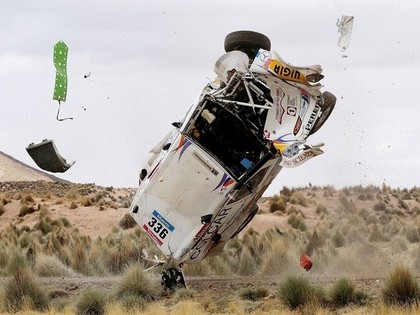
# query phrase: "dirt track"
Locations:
[[220, 288]]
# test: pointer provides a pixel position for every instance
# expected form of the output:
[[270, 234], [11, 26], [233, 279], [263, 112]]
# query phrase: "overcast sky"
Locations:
[[149, 60]]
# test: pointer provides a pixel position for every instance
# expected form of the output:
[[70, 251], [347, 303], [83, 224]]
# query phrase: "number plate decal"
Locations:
[[158, 227]]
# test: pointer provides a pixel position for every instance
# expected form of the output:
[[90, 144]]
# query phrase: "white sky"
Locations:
[[149, 61]]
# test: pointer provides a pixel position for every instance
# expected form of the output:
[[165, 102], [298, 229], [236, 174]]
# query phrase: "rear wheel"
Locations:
[[326, 108], [248, 42], [172, 279]]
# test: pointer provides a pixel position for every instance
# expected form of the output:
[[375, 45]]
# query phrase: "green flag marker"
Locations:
[[60, 63]]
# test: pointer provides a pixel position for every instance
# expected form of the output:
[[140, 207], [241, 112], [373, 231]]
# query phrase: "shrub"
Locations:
[[247, 264], [183, 294], [401, 288], [321, 209], [338, 239], [22, 291], [278, 205], [132, 302], [253, 294], [343, 292], [298, 198], [86, 202], [50, 266], [296, 292], [16, 261], [24, 210], [127, 222], [91, 301], [73, 205], [297, 222], [135, 282]]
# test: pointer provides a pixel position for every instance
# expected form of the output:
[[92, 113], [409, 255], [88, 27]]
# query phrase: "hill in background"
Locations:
[[12, 169]]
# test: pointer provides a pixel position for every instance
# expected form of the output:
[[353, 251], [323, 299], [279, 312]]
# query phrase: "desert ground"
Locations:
[[359, 233], [74, 237]]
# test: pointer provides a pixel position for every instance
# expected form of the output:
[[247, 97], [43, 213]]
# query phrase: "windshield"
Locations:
[[225, 136]]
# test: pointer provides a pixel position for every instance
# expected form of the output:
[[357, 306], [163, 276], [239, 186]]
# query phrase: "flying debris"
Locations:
[[345, 27], [305, 262], [47, 157], [60, 63]]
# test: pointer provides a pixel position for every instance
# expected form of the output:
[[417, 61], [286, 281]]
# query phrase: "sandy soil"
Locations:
[[111, 205]]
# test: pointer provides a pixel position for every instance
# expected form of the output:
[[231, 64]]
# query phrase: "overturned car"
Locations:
[[201, 185]]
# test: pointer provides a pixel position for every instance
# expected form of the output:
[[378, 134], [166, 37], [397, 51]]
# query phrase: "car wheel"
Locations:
[[327, 107], [248, 42]]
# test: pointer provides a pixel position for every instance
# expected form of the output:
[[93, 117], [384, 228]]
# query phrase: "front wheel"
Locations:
[[326, 109]]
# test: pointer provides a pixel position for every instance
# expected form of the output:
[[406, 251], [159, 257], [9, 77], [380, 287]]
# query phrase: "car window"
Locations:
[[225, 136]]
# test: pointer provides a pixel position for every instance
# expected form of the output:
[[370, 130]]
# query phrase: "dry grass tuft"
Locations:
[[91, 301], [21, 291], [401, 288]]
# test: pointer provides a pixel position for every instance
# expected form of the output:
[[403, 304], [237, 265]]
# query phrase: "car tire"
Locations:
[[248, 42], [327, 107]]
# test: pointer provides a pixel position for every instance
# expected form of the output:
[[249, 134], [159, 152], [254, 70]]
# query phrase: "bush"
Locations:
[[51, 266], [297, 198], [278, 205], [296, 292], [127, 222], [247, 264], [401, 288], [297, 222], [343, 292], [24, 210], [135, 282], [91, 301], [22, 291]]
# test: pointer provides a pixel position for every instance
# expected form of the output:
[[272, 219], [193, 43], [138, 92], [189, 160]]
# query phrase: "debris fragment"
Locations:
[[345, 27], [305, 262], [60, 63]]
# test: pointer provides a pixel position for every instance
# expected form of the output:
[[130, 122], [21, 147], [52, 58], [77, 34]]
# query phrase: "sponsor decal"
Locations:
[[297, 126], [202, 231], [312, 119], [207, 165], [285, 72], [205, 242], [278, 97], [163, 220], [304, 104], [298, 159]]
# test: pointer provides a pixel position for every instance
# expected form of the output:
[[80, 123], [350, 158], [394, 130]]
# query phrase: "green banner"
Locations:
[[60, 63]]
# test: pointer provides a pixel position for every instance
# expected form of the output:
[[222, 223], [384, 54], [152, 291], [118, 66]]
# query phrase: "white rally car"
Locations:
[[201, 185]]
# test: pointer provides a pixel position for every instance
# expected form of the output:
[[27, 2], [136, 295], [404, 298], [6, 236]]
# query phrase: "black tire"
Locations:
[[327, 107], [248, 42]]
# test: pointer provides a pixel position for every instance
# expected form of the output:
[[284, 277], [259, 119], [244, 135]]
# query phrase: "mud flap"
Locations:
[[46, 156]]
